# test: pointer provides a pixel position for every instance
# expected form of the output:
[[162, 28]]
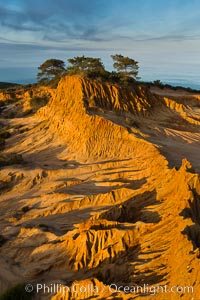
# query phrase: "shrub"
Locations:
[[2, 143], [37, 102], [4, 134], [10, 159], [10, 115], [53, 83], [25, 209]]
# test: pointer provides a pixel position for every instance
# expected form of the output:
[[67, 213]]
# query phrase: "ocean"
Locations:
[[186, 77], [166, 76]]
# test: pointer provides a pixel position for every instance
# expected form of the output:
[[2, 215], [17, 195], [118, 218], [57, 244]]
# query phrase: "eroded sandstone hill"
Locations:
[[106, 195]]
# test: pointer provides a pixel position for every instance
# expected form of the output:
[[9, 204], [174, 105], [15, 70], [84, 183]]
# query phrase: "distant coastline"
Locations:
[[27, 75], [193, 88], [179, 83]]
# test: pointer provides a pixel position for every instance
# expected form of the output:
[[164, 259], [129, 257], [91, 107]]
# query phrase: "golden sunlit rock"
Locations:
[[105, 196]]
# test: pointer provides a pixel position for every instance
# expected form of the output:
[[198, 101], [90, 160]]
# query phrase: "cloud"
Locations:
[[98, 21], [149, 30], [22, 49], [51, 20], [169, 38]]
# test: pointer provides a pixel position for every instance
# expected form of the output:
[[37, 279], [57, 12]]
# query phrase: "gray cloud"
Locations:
[[14, 46], [172, 37], [66, 19]]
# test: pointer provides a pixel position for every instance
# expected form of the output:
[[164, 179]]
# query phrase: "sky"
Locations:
[[163, 36]]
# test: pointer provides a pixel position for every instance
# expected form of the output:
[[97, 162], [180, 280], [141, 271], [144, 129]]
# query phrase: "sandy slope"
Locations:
[[111, 195]]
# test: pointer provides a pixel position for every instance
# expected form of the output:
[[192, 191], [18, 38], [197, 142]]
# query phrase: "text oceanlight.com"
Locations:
[[112, 288]]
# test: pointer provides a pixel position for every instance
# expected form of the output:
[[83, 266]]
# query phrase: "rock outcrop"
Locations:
[[103, 207]]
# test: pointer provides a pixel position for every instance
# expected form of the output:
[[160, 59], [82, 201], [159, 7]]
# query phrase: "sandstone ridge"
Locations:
[[108, 192]]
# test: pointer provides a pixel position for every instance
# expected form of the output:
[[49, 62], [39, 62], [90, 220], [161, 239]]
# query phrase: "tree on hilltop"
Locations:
[[86, 66], [50, 71], [126, 67]]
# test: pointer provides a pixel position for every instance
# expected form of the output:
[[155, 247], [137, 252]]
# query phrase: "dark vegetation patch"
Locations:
[[4, 134], [2, 240], [17, 292], [2, 143], [25, 209], [5, 103], [37, 102], [5, 85], [10, 159], [23, 130], [28, 112], [159, 84]]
